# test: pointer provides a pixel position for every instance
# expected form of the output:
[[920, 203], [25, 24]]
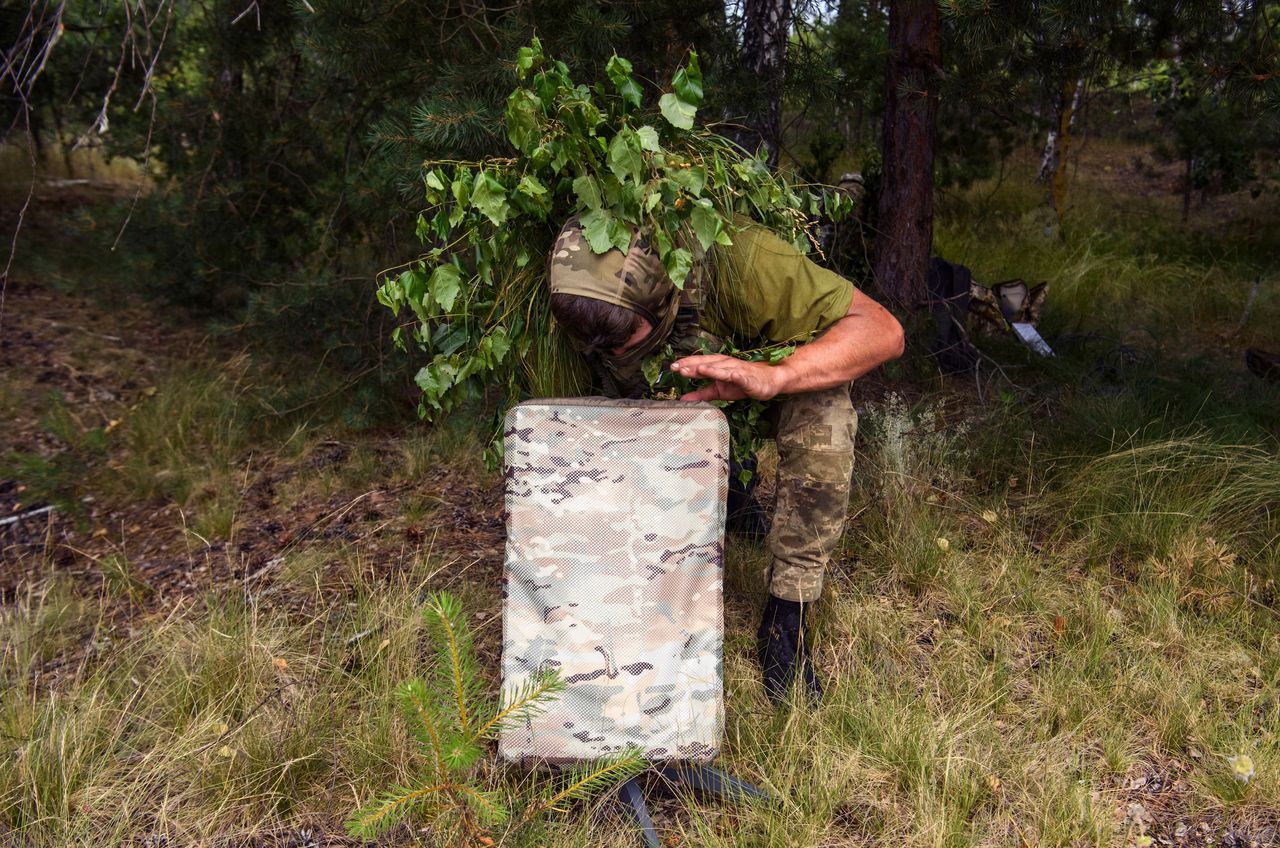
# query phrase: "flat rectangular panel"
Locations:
[[614, 565]]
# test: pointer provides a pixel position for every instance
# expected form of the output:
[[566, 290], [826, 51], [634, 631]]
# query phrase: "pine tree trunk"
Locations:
[[766, 28], [911, 111]]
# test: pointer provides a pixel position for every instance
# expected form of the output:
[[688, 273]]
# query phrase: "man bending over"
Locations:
[[619, 308]]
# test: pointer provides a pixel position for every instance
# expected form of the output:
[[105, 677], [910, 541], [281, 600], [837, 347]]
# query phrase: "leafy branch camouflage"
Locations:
[[476, 302]]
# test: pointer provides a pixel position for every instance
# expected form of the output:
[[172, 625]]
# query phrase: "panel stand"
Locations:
[[705, 780]]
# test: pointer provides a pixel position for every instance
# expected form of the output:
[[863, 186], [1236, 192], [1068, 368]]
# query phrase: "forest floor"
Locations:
[[1053, 621]]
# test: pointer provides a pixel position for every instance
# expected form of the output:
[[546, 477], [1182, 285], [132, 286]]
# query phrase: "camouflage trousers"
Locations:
[[814, 432]]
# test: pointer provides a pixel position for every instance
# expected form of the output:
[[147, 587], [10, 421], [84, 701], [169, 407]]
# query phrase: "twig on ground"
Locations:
[[28, 514]]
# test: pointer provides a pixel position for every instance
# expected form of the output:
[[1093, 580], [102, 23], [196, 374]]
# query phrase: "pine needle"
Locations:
[[524, 702], [371, 821], [592, 779]]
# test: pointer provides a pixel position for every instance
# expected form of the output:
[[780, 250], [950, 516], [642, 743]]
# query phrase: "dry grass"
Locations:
[[1005, 690]]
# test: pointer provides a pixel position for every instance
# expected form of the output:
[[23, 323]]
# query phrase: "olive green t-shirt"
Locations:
[[767, 290]]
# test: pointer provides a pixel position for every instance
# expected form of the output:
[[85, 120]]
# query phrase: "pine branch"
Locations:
[[524, 702], [591, 780], [485, 805], [414, 700], [376, 818], [461, 752], [446, 611]]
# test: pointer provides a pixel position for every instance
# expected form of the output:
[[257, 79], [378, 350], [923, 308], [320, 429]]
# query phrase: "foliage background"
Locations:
[[284, 140]]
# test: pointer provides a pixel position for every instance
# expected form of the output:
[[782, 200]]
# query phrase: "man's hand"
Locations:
[[734, 379], [867, 336]]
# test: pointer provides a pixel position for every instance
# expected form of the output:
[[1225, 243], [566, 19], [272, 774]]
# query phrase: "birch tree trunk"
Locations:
[[1053, 165], [911, 110], [766, 28], [1067, 106]]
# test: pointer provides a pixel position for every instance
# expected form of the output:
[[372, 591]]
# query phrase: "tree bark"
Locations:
[[911, 111], [1053, 167], [766, 29], [1068, 104]]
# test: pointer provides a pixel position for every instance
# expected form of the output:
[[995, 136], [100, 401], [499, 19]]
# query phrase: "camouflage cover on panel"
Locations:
[[615, 532]]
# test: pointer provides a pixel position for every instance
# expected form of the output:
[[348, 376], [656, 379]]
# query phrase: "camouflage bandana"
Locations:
[[634, 280]]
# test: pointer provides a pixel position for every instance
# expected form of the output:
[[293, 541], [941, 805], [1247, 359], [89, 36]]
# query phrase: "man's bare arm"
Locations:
[[866, 337]]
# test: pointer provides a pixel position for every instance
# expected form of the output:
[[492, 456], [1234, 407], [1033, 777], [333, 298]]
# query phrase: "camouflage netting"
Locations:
[[613, 576]]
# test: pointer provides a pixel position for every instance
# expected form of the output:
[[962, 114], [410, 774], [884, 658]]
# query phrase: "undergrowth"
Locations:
[[1052, 621]]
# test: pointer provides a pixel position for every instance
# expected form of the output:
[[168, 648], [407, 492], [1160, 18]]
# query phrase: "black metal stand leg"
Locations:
[[702, 779], [709, 780], [629, 794]]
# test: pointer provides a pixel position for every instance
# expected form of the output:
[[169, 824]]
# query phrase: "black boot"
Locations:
[[783, 645]]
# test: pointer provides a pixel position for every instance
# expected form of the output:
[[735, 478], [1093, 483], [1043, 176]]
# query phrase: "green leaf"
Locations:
[[619, 234], [778, 354], [461, 188], [448, 338], [648, 138], [531, 186], [688, 82], [494, 347], [678, 264], [490, 197], [595, 228], [588, 191], [631, 196], [624, 155], [617, 69], [439, 225], [630, 91], [611, 191], [434, 181], [559, 151], [445, 285], [706, 223], [585, 114], [529, 57], [436, 379], [652, 370], [619, 72], [413, 283], [679, 113], [391, 295], [663, 242], [523, 112], [691, 179]]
